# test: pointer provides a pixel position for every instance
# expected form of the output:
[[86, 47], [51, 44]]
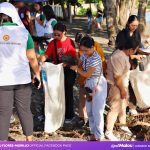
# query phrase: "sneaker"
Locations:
[[133, 111], [87, 123], [72, 120], [126, 129], [91, 138], [81, 122], [110, 136], [67, 121]]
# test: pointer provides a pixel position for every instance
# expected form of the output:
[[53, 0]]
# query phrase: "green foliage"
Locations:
[[148, 5], [94, 13], [93, 1], [82, 12], [81, 1]]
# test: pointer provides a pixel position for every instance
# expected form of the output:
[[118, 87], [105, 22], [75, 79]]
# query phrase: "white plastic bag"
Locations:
[[53, 82], [140, 81]]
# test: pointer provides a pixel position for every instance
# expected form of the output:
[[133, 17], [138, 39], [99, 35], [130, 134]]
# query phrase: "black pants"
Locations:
[[69, 82], [20, 96], [132, 97]]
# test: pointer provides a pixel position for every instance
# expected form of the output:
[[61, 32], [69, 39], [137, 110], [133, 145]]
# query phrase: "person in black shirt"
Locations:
[[130, 31]]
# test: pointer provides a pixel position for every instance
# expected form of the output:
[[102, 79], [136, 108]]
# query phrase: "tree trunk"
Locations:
[[68, 11], [63, 10], [133, 7], [111, 13], [90, 5], [141, 14], [74, 10], [124, 12]]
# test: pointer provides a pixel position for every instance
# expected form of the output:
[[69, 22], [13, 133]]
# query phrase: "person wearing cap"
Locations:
[[15, 76], [117, 74]]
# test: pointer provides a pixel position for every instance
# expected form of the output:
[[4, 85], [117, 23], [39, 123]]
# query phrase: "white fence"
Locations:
[[57, 10]]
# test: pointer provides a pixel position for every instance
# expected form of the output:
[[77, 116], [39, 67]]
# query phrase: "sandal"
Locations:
[[91, 138]]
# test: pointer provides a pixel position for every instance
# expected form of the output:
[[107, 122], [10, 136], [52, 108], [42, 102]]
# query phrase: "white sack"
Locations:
[[54, 96], [140, 81]]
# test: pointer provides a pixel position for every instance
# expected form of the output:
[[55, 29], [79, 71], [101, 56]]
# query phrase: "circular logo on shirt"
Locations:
[[6, 37]]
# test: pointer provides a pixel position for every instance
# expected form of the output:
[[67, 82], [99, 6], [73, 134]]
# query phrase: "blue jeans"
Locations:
[[89, 22]]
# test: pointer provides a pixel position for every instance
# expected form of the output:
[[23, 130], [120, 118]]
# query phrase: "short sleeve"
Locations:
[[30, 43], [95, 62], [71, 48], [82, 57], [42, 17], [54, 22], [50, 49], [118, 65], [120, 40]]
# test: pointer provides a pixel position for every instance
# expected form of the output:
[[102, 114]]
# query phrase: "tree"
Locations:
[[141, 14], [133, 6], [76, 3], [124, 11], [117, 13], [111, 20], [66, 14], [62, 3]]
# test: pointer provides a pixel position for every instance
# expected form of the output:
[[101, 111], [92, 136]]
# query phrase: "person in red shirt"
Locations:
[[65, 46], [57, 48]]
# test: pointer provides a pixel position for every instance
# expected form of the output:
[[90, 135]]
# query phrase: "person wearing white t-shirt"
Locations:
[[49, 22], [39, 18]]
